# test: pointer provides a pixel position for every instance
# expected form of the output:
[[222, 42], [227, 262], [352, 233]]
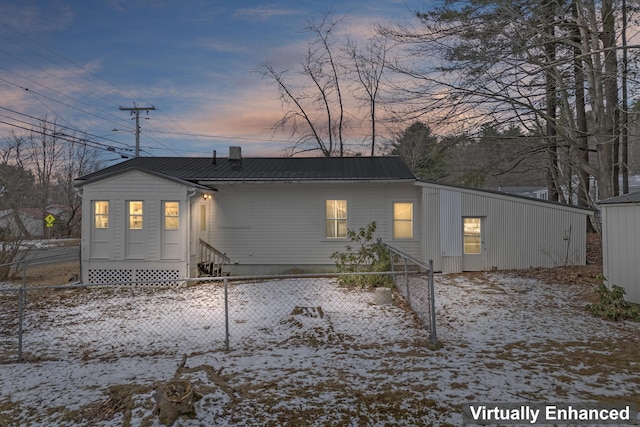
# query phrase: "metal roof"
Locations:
[[206, 169], [624, 198]]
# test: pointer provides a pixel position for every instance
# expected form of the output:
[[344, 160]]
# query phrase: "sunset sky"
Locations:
[[77, 62]]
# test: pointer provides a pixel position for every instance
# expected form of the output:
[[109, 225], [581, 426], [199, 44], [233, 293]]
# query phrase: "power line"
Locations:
[[82, 75], [68, 138], [69, 128], [240, 138]]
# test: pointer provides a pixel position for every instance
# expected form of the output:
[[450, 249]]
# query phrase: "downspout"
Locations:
[[79, 193], [189, 230]]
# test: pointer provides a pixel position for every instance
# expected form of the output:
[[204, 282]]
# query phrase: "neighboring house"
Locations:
[[621, 243], [161, 218], [31, 218]]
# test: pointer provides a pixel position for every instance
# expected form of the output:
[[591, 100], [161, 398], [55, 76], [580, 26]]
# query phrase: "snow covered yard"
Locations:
[[351, 363]]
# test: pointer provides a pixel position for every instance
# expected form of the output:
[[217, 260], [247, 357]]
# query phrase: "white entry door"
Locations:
[[473, 255]]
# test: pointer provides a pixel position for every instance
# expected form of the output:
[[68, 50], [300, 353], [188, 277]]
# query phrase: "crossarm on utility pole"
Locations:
[[136, 110]]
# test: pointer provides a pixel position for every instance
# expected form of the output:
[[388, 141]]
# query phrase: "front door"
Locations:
[[473, 257]]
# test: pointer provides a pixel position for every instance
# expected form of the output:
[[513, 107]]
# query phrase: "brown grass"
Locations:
[[61, 273]]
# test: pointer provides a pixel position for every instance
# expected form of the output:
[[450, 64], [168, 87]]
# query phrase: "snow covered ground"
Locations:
[[97, 356]]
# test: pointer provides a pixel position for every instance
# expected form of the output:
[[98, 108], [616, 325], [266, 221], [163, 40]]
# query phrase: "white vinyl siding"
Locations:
[[286, 223], [111, 250]]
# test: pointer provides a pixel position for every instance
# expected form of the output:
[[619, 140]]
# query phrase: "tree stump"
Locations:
[[174, 399]]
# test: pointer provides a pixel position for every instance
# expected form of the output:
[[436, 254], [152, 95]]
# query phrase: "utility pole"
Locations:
[[136, 110]]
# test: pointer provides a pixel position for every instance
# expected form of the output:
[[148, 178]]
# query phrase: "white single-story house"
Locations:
[[621, 243], [156, 218]]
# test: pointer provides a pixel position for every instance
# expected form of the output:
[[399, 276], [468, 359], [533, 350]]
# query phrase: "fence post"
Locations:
[[22, 294], [432, 305], [226, 315]]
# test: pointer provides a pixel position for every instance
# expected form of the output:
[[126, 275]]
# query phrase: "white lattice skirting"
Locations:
[[146, 277]]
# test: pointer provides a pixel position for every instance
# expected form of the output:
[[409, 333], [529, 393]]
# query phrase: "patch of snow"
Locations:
[[504, 339]]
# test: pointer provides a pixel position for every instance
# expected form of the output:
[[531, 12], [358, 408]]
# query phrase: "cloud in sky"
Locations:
[[265, 12], [195, 61]]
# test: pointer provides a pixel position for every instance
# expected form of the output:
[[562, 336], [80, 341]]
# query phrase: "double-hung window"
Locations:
[[101, 213], [135, 215], [403, 220], [171, 215], [336, 219]]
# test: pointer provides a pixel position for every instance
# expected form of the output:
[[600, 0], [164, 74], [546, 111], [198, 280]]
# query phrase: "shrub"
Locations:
[[612, 305], [367, 256]]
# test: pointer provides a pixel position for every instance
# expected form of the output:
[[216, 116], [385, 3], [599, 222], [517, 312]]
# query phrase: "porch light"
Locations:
[[206, 196]]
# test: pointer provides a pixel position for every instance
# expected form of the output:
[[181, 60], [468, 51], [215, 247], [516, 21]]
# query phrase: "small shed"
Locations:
[[621, 243]]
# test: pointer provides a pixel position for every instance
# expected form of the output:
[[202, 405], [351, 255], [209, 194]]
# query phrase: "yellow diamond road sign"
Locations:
[[50, 218]]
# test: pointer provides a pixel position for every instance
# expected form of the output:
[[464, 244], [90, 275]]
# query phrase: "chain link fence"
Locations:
[[414, 281], [197, 316]]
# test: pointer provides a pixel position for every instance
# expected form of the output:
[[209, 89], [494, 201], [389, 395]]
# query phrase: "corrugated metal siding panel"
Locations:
[[431, 226], [621, 245], [450, 223], [523, 235], [287, 220], [518, 234]]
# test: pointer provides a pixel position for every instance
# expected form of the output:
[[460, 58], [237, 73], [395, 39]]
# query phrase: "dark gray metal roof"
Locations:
[[624, 198], [199, 169]]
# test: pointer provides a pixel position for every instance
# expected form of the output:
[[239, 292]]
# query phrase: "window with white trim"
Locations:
[[171, 215], [403, 220], [135, 215], [101, 213], [336, 219]]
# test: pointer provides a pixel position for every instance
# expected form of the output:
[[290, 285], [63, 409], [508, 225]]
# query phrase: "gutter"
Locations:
[[208, 182]]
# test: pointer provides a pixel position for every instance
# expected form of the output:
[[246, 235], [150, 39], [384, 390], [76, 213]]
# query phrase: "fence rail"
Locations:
[[200, 315]]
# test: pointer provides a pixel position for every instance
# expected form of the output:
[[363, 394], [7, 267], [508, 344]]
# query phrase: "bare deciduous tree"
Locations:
[[77, 159], [37, 170], [315, 114], [369, 65], [535, 64]]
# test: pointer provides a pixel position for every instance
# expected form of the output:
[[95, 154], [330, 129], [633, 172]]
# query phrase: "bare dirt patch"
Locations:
[[61, 273]]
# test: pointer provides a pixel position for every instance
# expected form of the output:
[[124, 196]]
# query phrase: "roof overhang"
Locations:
[[208, 182], [507, 196], [78, 183]]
